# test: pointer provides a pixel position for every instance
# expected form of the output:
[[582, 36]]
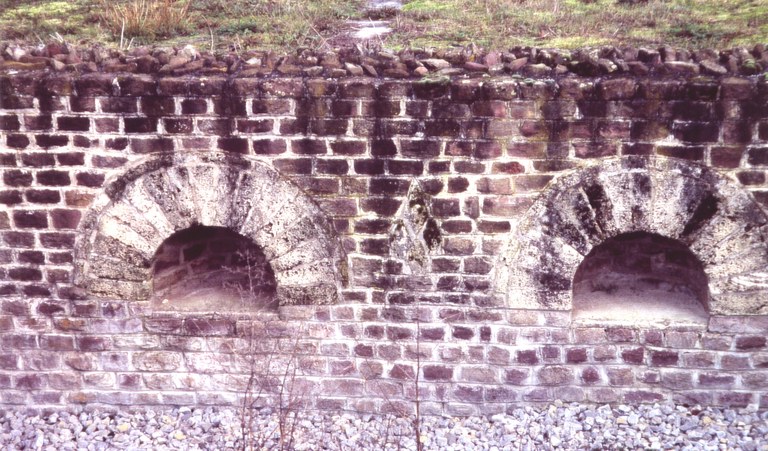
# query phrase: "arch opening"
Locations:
[[641, 277], [208, 268], [119, 238], [715, 218]]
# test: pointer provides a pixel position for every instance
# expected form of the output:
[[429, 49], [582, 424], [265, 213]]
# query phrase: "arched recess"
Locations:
[[713, 216], [168, 193], [641, 278], [203, 268]]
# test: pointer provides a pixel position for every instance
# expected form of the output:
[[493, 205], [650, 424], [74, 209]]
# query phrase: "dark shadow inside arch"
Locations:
[[641, 277], [212, 269]]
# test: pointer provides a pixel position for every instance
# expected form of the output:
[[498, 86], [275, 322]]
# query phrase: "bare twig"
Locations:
[[272, 375], [417, 400], [325, 42], [122, 34]]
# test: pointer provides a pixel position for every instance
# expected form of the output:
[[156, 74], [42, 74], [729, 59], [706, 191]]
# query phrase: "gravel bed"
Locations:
[[557, 426]]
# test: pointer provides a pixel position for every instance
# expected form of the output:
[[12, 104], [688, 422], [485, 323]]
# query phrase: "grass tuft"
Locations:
[[144, 19]]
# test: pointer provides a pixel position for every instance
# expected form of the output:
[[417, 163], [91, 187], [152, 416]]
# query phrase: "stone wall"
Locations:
[[417, 230]]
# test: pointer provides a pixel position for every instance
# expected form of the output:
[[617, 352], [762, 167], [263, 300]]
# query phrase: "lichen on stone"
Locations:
[[415, 234]]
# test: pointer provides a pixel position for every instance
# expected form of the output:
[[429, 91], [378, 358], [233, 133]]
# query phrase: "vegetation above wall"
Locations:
[[283, 25], [578, 23], [227, 24]]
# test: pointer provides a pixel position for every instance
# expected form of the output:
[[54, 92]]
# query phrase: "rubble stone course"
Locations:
[[417, 227]]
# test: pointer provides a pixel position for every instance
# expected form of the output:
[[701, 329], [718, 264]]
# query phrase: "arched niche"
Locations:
[[205, 268], [151, 201], [714, 217], [640, 278]]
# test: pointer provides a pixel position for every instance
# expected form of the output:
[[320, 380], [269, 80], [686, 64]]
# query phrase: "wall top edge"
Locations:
[[429, 66], [504, 87]]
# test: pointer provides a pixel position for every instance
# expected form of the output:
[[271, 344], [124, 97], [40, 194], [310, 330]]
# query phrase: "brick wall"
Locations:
[[425, 184]]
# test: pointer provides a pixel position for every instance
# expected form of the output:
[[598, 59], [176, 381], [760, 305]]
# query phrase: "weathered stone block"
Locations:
[[664, 358], [29, 382], [554, 375], [590, 375], [735, 399], [73, 123], [527, 357], [576, 355], [750, 342], [642, 396], [734, 362], [472, 394], [410, 148], [437, 373], [739, 324], [617, 88], [155, 361], [737, 88]]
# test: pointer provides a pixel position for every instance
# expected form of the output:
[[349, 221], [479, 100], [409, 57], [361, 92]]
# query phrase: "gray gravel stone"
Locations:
[[558, 426]]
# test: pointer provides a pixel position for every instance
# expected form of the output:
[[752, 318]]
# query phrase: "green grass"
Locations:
[[240, 24], [285, 25], [33, 20], [578, 23]]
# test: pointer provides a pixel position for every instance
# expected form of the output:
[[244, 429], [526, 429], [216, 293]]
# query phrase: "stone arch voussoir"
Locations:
[[714, 216], [155, 198]]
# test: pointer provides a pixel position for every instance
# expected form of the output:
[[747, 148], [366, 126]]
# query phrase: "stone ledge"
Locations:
[[410, 63]]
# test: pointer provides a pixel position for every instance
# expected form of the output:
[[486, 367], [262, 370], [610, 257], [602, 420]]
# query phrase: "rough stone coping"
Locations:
[[717, 219], [408, 63], [163, 194]]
